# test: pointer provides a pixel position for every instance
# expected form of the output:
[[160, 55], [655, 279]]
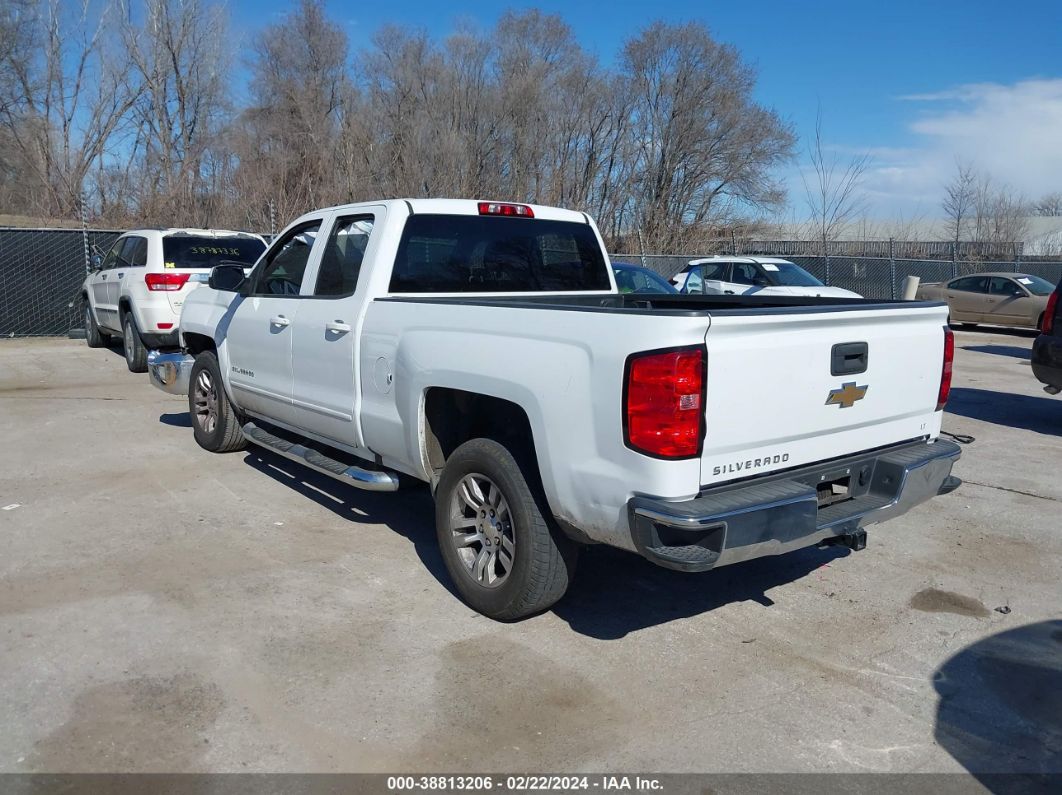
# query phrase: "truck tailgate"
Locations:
[[773, 401]]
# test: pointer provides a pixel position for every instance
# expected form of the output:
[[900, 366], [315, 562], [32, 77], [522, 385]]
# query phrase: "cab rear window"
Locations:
[[190, 251], [489, 254]]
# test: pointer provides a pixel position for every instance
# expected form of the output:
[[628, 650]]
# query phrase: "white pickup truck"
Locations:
[[483, 347]]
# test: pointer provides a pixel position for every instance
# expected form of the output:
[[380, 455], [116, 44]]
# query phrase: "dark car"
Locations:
[[1047, 349], [635, 279]]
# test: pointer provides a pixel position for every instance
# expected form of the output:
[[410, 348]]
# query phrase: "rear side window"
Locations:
[[134, 253], [342, 257], [971, 284], [193, 251], [715, 272], [747, 273], [490, 254]]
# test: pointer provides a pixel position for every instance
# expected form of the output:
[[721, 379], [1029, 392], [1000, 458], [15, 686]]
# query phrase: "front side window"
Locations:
[[471, 253], [285, 264], [1000, 285], [111, 260], [342, 257]]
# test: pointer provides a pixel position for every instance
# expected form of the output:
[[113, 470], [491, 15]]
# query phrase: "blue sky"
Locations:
[[916, 84]]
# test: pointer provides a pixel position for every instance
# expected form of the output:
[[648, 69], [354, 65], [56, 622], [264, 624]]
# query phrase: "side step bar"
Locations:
[[367, 479]]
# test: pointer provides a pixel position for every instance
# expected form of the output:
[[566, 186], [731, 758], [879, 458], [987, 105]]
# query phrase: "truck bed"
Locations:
[[671, 305]]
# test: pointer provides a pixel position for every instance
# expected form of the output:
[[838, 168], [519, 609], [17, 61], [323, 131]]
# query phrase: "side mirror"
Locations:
[[95, 263], [228, 278]]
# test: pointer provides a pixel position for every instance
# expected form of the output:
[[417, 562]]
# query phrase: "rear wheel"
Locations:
[[94, 338], [135, 351], [214, 421], [504, 552]]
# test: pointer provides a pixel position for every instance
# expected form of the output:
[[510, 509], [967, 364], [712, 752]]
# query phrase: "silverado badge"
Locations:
[[847, 395]]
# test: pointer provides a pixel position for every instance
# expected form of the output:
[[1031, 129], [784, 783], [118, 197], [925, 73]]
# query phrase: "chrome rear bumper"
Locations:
[[170, 372], [780, 513]]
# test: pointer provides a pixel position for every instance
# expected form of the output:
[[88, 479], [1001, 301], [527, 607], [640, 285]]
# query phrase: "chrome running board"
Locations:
[[367, 479]]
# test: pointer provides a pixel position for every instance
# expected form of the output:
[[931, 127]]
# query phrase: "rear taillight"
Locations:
[[663, 408], [166, 281], [1048, 326], [497, 208], [945, 369]]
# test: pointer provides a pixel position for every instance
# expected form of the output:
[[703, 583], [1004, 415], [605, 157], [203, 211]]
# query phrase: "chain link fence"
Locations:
[[871, 277], [41, 272]]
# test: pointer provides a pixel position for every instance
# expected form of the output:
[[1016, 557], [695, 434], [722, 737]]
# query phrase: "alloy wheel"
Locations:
[[481, 530]]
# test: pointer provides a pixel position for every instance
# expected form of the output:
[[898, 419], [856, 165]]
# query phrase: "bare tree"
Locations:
[[179, 60], [71, 101], [833, 191], [699, 143], [285, 142], [960, 197], [1050, 205]]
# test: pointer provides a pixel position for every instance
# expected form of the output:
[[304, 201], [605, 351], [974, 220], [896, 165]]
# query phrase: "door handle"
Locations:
[[728, 292], [338, 326], [279, 320]]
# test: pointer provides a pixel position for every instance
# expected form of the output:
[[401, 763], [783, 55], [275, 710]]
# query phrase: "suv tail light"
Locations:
[[663, 411], [945, 370], [166, 281], [1048, 326], [496, 208]]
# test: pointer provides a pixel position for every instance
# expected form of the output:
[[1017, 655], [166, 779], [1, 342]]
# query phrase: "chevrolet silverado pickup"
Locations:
[[484, 348]]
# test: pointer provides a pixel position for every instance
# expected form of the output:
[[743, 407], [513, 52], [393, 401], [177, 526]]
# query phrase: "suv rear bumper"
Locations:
[[780, 513], [1047, 360], [170, 372]]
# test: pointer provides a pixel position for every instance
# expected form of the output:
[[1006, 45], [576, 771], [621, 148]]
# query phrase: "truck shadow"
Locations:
[[1000, 708], [616, 592], [1039, 414], [1001, 350], [410, 514]]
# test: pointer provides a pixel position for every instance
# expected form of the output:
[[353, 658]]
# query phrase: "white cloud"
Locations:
[[1012, 132]]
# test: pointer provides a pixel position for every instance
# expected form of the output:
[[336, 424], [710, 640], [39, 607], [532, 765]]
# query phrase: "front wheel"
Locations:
[[135, 350], [214, 421], [504, 553]]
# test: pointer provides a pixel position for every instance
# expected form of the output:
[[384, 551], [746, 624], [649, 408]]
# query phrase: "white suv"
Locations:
[[137, 290], [751, 276]]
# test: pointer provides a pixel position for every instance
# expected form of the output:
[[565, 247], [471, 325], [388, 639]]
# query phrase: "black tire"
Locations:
[[135, 350], [224, 435], [542, 558], [94, 338]]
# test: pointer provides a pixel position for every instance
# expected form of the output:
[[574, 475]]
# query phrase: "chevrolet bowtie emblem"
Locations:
[[847, 395]]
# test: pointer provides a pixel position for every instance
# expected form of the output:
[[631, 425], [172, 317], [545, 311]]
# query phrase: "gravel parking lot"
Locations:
[[164, 609]]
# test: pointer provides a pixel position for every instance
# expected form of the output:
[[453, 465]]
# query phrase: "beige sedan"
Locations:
[[999, 299]]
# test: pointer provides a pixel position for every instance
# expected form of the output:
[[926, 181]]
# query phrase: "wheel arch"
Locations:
[[197, 343], [451, 417], [454, 416]]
